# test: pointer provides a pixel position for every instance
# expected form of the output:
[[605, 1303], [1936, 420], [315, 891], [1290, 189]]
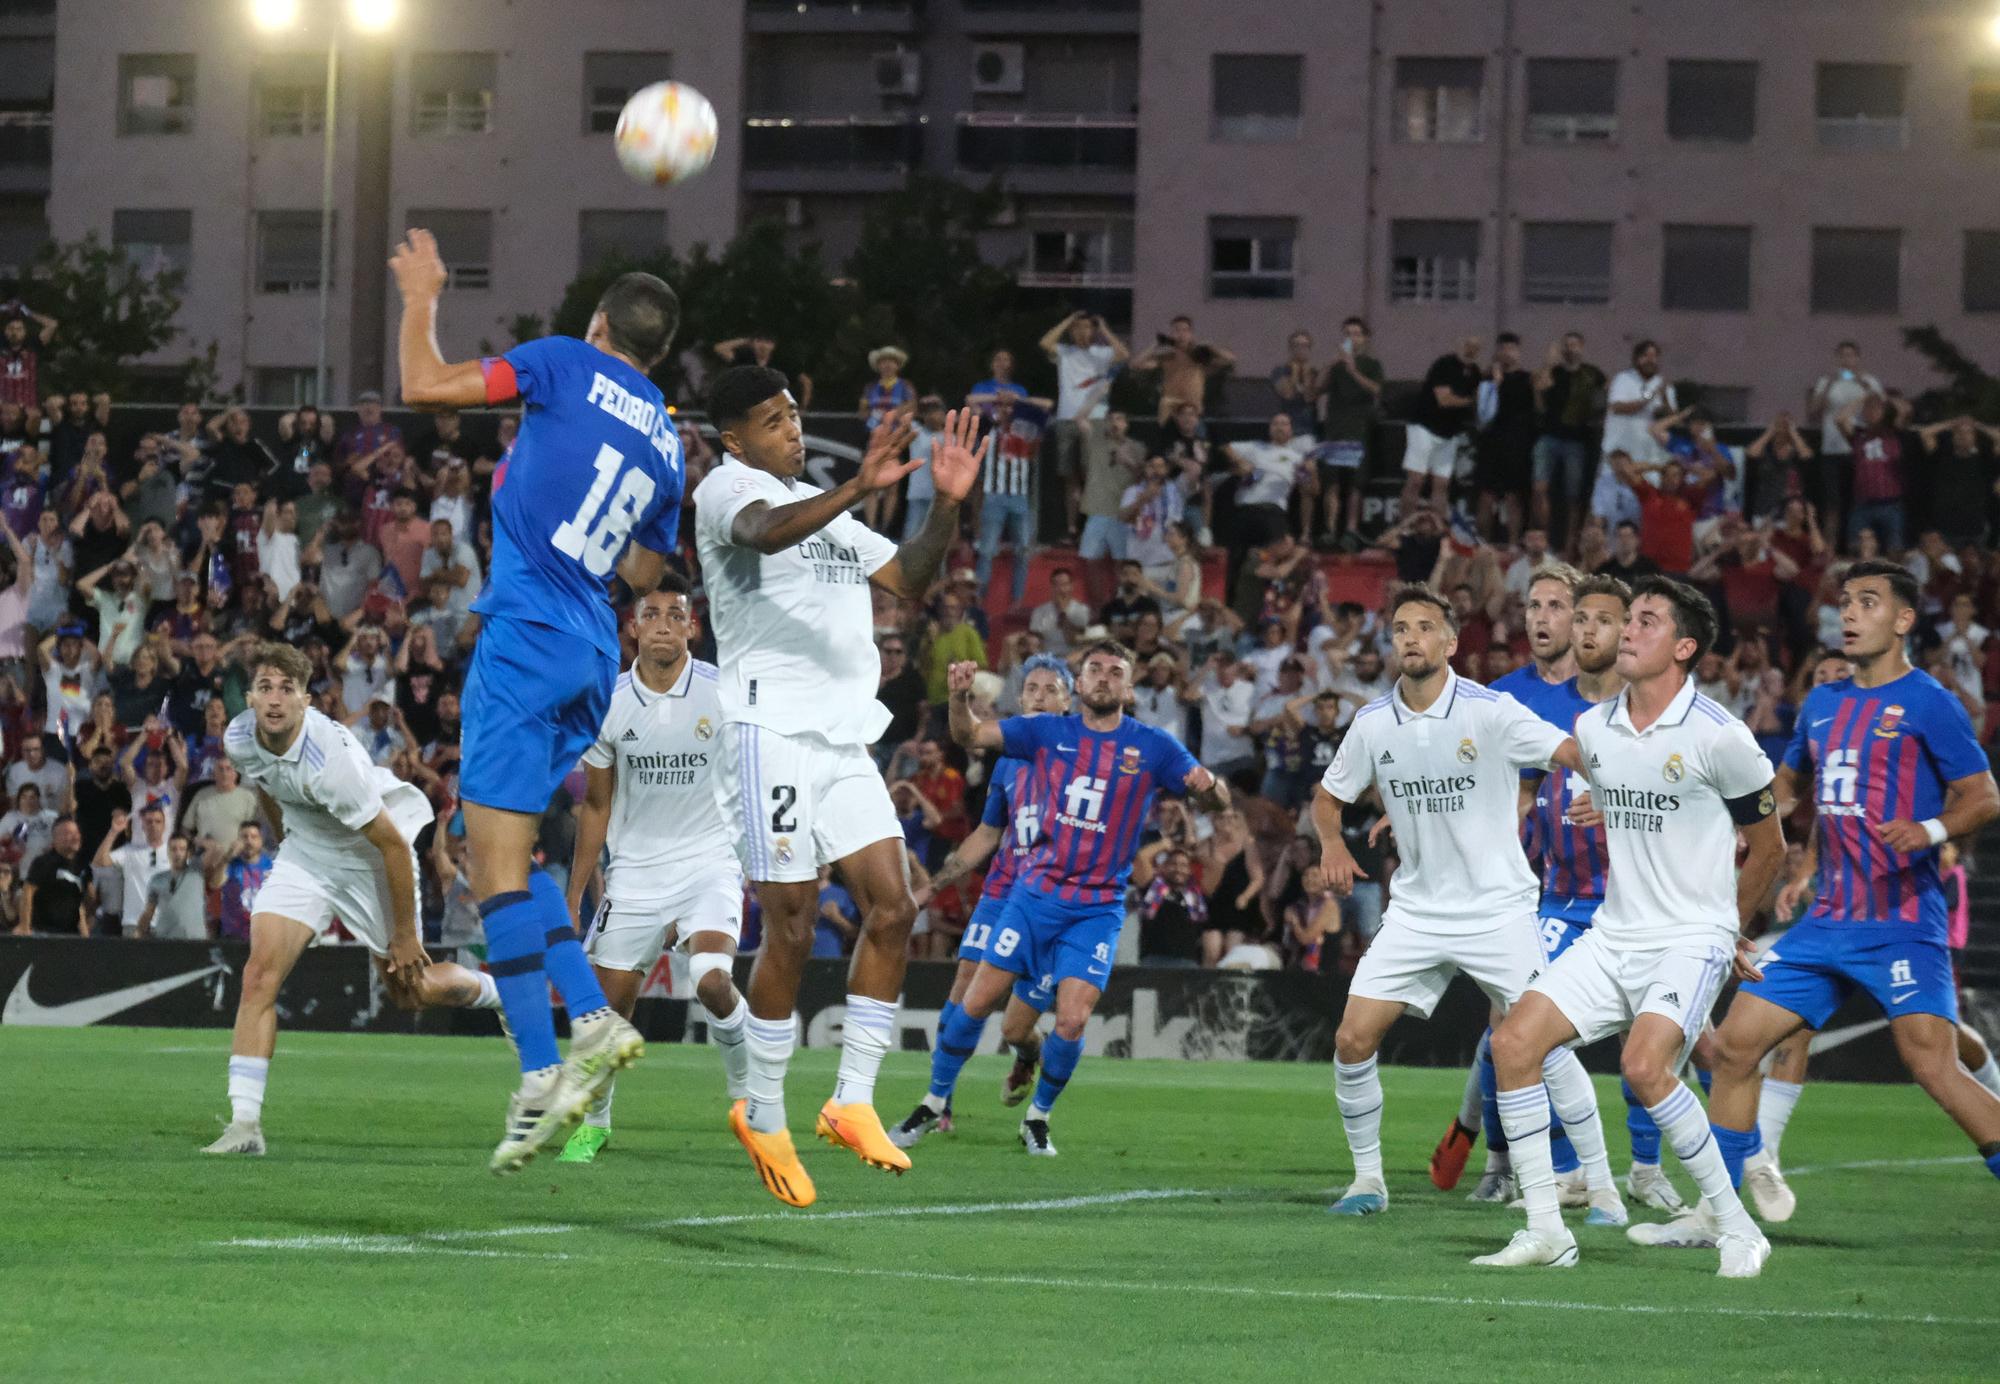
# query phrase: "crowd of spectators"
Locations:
[[142, 563]]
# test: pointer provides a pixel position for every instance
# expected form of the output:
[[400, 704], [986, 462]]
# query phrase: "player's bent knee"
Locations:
[[892, 917], [713, 979], [1353, 1045], [1515, 1051]]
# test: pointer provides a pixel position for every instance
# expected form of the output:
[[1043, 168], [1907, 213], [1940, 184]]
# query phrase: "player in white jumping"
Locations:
[[672, 879], [1673, 777], [347, 826], [788, 572], [1445, 754]]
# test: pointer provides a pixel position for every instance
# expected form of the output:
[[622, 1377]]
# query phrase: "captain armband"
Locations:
[[1752, 808]]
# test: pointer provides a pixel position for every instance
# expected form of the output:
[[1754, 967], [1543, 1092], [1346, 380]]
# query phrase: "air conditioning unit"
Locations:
[[795, 212], [999, 69], [899, 73]]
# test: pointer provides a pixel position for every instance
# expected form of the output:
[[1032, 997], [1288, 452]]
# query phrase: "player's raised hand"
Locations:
[[958, 677], [1903, 837], [418, 267], [955, 454], [1746, 967], [883, 464]]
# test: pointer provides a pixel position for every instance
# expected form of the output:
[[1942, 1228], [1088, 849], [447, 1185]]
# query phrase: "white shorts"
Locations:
[[315, 893], [797, 802], [629, 935], [1408, 967], [1601, 989], [1427, 454]]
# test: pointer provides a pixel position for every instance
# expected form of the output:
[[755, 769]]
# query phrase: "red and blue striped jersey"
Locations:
[[1010, 806], [1570, 859], [1881, 754], [1095, 790]]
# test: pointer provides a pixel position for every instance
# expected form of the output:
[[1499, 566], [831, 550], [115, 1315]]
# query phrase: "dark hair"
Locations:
[[1108, 646], [1601, 586], [181, 836], [1849, 345], [1422, 593], [1644, 346], [1902, 583], [1180, 317], [1360, 322], [1064, 571], [152, 807], [641, 313], [1694, 617], [285, 659], [672, 583], [1507, 339], [1631, 524], [741, 388]]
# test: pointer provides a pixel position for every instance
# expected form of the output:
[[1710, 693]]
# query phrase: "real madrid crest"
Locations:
[[1675, 770], [1467, 751], [782, 848], [702, 729]]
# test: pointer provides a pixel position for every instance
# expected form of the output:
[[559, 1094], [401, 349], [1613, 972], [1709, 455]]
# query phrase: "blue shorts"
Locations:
[[1557, 934], [972, 947], [535, 698], [1049, 941], [1815, 966]]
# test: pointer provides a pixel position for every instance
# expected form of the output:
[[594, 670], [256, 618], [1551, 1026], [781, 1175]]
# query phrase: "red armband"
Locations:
[[501, 386]]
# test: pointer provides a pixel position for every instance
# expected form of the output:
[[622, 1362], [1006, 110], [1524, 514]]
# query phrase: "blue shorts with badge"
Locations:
[[535, 698], [979, 936], [1562, 921], [1049, 940], [1815, 966]]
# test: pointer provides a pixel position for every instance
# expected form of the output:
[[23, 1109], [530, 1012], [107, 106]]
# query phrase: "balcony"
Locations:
[[1051, 153], [836, 16], [1052, 16], [830, 153], [1852, 133], [24, 152]]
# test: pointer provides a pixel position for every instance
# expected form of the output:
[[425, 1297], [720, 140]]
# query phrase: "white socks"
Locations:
[[1357, 1090], [770, 1043], [1524, 1114], [489, 993], [1989, 1075], [1575, 1102], [247, 1076], [729, 1038], [599, 1114], [1684, 1124], [1774, 1111], [865, 1036]]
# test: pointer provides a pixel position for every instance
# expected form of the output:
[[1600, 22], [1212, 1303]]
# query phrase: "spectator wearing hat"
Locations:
[[381, 729], [369, 434], [964, 583], [888, 392]]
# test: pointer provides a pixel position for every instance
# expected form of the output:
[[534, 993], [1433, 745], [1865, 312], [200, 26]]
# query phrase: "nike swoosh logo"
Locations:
[[1065, 749], [1898, 999], [22, 1010], [1821, 721], [1840, 1037]]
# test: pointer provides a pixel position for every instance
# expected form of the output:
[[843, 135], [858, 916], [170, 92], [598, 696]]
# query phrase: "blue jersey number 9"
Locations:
[[595, 534]]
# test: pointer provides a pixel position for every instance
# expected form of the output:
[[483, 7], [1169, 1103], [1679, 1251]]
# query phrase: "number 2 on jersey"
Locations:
[[595, 534]]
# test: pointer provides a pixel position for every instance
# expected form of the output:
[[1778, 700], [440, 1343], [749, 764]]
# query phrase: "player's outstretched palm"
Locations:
[[883, 464], [418, 267], [955, 454]]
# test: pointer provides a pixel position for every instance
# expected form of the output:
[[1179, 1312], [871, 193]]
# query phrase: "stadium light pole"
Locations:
[[368, 17]]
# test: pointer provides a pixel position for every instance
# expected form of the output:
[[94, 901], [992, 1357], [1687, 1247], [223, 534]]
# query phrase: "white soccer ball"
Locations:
[[666, 134]]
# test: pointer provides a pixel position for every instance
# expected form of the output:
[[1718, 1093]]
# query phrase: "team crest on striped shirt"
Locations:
[[1891, 723], [1128, 762], [1675, 770]]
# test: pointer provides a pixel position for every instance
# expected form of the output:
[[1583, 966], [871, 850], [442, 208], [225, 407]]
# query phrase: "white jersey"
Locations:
[[665, 826], [1664, 793], [795, 630], [327, 786], [1449, 777]]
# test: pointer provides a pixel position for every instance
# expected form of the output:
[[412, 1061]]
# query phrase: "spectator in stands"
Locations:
[[1844, 386], [1267, 472], [239, 875], [1959, 484], [952, 639], [1310, 920], [54, 560], [1185, 365], [1750, 571], [1778, 460], [987, 392], [919, 491], [1008, 476], [761, 348], [303, 443], [34, 766], [1226, 697], [218, 810], [60, 897], [349, 566], [278, 553], [197, 681], [903, 692], [1128, 603], [1874, 438], [71, 671], [1062, 618], [1569, 400], [450, 559], [943, 787], [135, 857], [1352, 389], [1148, 510], [1668, 511], [1087, 354], [1156, 698], [403, 539], [1415, 540], [1235, 882], [28, 827], [1299, 383], [1506, 441], [839, 921], [21, 354], [176, 898], [1440, 419], [1172, 914], [238, 458], [1638, 396], [370, 434], [364, 665], [1278, 720], [1111, 461], [154, 766]]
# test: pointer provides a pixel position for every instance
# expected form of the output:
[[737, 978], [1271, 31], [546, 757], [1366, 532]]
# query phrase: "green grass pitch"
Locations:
[[372, 1244]]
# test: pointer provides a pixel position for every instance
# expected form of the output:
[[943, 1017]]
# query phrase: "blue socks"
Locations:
[[1059, 1058], [563, 955], [514, 934], [1562, 1155], [1993, 1162], [1737, 1145], [1639, 1124], [958, 1038], [1707, 1080]]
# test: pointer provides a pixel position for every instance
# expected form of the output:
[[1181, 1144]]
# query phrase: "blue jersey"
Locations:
[[597, 461], [1010, 806], [1876, 755], [1570, 859], [1095, 790]]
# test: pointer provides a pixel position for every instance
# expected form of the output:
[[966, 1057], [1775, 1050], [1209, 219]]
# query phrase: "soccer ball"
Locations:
[[666, 134]]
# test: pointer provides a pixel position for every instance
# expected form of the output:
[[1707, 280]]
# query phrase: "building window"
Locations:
[[1981, 273], [1433, 261], [154, 242], [609, 79], [618, 235], [451, 93], [1079, 251], [1566, 262], [465, 244], [291, 97], [1859, 105], [1984, 107], [288, 251], [155, 93], [1255, 96], [1856, 270], [1711, 102], [1705, 269], [24, 230], [1438, 99], [1250, 257], [286, 386], [1723, 403], [1572, 100]]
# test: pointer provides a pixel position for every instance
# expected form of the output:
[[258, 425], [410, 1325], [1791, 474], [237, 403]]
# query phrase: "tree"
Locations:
[[1968, 388], [112, 313]]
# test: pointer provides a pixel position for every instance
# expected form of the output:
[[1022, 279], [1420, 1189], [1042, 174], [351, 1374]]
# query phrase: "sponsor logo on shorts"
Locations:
[[1103, 952], [1675, 770]]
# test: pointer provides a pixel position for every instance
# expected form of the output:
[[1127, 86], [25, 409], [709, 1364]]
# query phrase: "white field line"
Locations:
[[1881, 1163], [365, 1245], [399, 1244]]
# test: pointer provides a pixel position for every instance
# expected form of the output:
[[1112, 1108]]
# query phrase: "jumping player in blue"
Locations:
[[1012, 823], [1095, 775], [1896, 770], [592, 490]]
